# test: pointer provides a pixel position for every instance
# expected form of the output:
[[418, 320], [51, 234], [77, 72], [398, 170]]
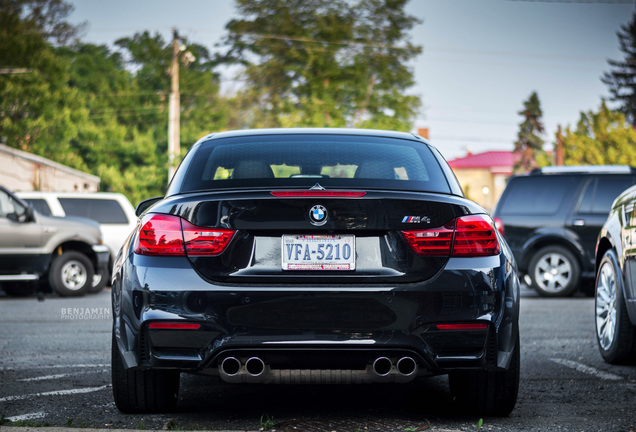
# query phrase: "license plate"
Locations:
[[318, 252]]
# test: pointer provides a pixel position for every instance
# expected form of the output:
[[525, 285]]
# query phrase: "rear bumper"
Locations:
[[330, 329]]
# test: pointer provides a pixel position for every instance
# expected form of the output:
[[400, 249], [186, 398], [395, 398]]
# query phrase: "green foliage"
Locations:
[[306, 63], [600, 138], [324, 63], [529, 142], [621, 80]]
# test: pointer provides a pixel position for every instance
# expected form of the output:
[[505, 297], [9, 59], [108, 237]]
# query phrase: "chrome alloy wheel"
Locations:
[[606, 305], [74, 275], [553, 272]]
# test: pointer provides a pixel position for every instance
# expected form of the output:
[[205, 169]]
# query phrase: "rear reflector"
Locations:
[[173, 326], [471, 326], [167, 235], [467, 236], [318, 194]]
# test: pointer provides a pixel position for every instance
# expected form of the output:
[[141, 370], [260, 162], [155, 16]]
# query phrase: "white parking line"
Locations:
[[587, 369], [12, 368], [57, 376], [31, 416], [55, 393]]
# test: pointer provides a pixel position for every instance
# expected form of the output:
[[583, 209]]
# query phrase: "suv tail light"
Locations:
[[467, 236], [172, 235]]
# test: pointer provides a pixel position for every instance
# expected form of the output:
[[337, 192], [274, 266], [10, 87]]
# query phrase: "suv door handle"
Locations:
[[578, 222]]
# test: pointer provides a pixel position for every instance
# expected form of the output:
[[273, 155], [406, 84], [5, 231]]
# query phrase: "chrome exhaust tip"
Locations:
[[382, 366], [255, 366], [231, 366], [406, 366]]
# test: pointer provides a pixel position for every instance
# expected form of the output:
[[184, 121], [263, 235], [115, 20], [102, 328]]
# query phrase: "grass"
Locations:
[[266, 423]]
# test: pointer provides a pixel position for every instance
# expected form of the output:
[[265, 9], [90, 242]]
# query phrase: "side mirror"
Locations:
[[146, 204], [24, 217]]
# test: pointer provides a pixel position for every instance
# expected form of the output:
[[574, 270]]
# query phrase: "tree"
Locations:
[[621, 80], [324, 62], [600, 138], [529, 142]]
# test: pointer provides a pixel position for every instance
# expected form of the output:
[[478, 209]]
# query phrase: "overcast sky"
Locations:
[[481, 58]]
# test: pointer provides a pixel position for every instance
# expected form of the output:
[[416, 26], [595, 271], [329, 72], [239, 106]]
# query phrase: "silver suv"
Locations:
[[65, 252]]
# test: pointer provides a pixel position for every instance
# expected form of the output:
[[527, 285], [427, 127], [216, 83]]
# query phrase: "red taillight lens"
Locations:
[[205, 241], [159, 235], [467, 236], [172, 235], [433, 242], [475, 236], [318, 194], [500, 226], [173, 326]]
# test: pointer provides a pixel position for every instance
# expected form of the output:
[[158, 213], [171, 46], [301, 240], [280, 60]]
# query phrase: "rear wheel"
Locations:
[[142, 391], [487, 393], [555, 272], [615, 334], [71, 274]]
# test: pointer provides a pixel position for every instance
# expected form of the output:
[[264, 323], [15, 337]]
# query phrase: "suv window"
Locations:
[[600, 193], [104, 211], [40, 205], [541, 196], [9, 206]]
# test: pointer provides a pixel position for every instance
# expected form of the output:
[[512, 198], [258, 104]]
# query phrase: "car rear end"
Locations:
[[309, 256]]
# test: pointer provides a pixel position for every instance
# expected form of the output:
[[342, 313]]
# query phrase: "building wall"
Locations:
[[26, 172], [482, 186]]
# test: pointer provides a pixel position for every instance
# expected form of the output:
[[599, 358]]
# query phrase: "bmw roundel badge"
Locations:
[[318, 215]]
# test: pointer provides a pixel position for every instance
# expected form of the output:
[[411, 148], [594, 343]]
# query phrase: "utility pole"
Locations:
[[559, 148], [173, 107]]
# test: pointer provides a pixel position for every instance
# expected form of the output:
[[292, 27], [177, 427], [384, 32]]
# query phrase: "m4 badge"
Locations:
[[416, 219]]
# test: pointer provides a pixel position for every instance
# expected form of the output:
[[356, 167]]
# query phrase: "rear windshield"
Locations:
[[304, 160]]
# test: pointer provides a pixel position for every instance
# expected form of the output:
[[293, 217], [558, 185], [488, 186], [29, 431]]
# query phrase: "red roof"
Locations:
[[496, 161]]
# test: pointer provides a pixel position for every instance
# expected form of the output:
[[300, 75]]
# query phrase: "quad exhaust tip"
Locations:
[[231, 366], [405, 366], [255, 366]]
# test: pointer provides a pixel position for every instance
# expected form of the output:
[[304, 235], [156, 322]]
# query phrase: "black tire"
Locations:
[[143, 391], [71, 274], [100, 280], [487, 393], [615, 334], [555, 272]]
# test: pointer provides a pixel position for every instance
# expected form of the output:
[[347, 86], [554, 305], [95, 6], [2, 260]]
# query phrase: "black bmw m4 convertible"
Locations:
[[323, 256]]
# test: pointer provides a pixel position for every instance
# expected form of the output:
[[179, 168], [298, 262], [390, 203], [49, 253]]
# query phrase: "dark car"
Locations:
[[315, 256], [552, 218], [616, 282]]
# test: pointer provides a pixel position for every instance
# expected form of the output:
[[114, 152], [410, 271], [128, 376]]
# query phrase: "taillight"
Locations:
[[205, 241], [172, 235], [433, 242], [467, 236], [318, 194], [159, 235], [475, 236], [500, 226]]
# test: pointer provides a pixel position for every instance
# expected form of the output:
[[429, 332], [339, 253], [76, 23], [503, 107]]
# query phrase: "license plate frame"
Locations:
[[321, 252]]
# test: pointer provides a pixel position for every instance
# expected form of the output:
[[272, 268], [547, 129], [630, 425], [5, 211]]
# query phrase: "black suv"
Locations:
[[551, 219]]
